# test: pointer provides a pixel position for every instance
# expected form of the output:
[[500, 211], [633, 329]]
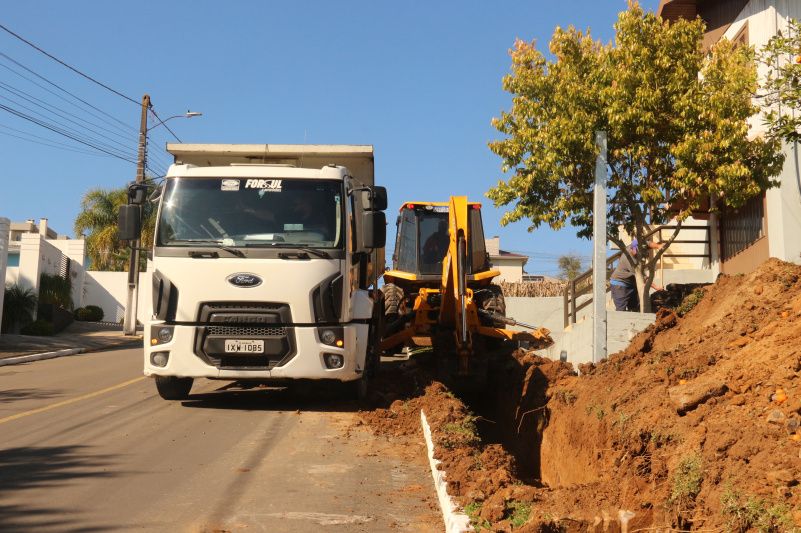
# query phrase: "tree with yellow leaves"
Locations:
[[676, 122]]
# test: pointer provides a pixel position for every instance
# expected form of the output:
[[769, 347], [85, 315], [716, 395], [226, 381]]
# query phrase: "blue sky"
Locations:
[[418, 80]]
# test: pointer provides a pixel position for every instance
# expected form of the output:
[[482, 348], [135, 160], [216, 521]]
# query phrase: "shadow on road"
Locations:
[[396, 379], [30, 468], [13, 395], [322, 397]]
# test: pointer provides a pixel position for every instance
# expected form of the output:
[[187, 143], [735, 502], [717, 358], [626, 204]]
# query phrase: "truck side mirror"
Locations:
[[379, 198], [374, 198], [137, 193], [374, 229], [129, 226]]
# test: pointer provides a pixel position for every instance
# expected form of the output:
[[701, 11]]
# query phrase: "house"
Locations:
[[36, 249], [28, 250], [770, 224], [509, 264]]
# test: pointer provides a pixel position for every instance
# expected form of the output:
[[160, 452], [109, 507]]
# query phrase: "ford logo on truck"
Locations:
[[244, 280]]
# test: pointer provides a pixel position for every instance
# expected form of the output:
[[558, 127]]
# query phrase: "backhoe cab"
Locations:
[[440, 288]]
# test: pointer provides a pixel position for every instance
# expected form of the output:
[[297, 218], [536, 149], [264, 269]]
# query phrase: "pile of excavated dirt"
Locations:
[[695, 426]]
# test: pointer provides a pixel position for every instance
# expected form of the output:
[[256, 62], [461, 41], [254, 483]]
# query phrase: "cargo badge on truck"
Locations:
[[244, 280]]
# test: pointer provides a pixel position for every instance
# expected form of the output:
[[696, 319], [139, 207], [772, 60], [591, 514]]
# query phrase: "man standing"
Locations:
[[623, 282]]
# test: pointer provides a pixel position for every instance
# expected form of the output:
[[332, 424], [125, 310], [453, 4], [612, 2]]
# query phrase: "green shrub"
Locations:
[[41, 328], [55, 290], [690, 301], [687, 479], [90, 313], [96, 313], [18, 306], [746, 513]]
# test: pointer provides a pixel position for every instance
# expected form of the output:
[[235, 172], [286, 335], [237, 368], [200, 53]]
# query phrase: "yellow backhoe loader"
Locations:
[[440, 288]]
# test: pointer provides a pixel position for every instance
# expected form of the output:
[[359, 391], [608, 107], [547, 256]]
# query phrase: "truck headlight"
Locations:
[[160, 334], [332, 336]]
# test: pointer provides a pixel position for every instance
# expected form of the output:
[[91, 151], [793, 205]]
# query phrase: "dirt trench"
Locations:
[[695, 426]]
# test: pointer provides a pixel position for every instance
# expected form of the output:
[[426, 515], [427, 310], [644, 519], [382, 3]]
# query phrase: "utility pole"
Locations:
[[599, 257], [129, 323]]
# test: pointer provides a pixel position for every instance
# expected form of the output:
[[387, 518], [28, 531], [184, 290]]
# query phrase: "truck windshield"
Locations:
[[251, 212]]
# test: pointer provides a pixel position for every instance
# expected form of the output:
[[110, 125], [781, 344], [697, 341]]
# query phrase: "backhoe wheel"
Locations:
[[491, 300], [173, 388], [393, 300]]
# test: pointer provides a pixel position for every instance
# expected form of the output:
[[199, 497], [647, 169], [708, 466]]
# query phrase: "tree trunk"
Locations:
[[642, 288]]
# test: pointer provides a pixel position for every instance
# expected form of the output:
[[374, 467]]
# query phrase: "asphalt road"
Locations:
[[87, 445]]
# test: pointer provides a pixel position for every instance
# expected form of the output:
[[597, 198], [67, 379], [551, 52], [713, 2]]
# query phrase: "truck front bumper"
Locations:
[[307, 361]]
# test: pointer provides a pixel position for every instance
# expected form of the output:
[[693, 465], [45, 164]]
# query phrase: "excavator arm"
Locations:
[[456, 297]]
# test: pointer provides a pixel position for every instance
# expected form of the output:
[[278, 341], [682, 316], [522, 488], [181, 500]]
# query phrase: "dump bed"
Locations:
[[357, 158]]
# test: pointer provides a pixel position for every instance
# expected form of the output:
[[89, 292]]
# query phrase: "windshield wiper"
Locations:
[[315, 251], [300, 247], [217, 244]]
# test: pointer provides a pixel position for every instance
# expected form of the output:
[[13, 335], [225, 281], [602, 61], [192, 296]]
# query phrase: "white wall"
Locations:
[[546, 311], [50, 258], [75, 250], [109, 290], [30, 261], [12, 275], [784, 210], [576, 339]]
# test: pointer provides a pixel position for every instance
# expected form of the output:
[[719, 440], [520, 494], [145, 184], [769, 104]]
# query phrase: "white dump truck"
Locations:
[[265, 263]]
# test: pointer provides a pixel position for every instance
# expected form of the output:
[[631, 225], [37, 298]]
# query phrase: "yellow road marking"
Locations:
[[71, 400]]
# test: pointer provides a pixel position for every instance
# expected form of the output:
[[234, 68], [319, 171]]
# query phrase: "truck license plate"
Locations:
[[243, 346]]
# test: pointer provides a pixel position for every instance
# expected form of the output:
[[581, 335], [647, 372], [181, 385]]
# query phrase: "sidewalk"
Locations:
[[78, 337]]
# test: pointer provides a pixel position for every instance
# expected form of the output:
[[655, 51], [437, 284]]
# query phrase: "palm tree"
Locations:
[[98, 220]]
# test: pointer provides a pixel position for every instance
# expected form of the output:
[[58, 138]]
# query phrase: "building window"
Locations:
[[740, 228]]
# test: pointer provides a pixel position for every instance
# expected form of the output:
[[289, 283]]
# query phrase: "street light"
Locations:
[[129, 320], [188, 114]]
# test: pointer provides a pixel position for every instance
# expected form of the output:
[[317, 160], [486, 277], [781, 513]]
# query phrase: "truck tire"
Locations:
[[173, 388], [393, 300]]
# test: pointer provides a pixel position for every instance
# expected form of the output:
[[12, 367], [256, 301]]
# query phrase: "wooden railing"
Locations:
[[582, 284]]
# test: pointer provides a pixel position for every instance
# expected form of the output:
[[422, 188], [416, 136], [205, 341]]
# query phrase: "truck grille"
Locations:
[[246, 331], [266, 321]]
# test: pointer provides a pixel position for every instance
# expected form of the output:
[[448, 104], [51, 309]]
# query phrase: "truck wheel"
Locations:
[[172, 388], [393, 299], [361, 387]]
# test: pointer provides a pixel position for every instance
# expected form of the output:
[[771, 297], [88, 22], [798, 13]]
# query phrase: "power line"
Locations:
[[47, 142], [54, 58], [67, 128], [61, 112], [164, 124], [8, 58], [57, 110], [65, 134]]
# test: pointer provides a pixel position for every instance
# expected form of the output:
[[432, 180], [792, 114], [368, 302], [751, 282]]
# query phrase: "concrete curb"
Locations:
[[40, 356], [455, 521]]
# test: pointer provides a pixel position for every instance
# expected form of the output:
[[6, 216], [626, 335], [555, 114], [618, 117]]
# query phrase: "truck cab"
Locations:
[[265, 265]]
